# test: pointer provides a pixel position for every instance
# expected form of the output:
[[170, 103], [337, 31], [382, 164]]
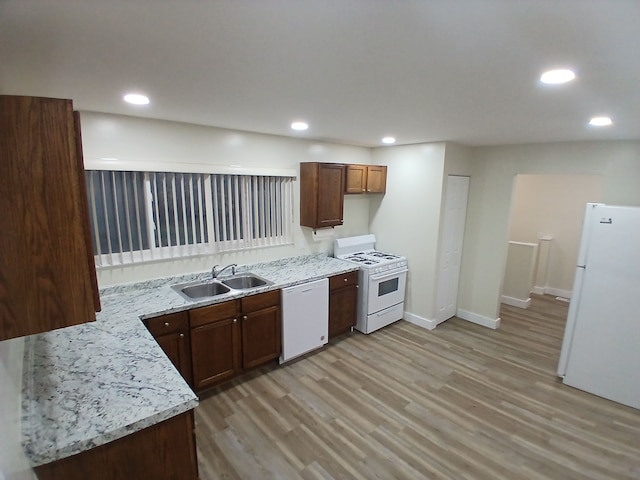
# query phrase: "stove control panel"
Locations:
[[389, 266]]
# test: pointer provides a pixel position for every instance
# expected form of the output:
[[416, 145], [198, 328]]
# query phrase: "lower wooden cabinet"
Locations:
[[172, 334], [165, 451], [215, 344], [230, 337], [343, 303], [261, 329]]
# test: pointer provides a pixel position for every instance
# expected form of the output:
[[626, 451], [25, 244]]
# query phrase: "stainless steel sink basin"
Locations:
[[244, 281], [201, 290]]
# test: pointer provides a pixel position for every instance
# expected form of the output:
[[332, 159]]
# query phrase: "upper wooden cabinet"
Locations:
[[321, 194], [366, 179], [47, 272]]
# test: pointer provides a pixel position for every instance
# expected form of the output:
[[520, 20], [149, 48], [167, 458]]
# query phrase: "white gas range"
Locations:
[[382, 281]]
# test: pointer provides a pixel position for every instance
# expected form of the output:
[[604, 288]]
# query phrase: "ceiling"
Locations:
[[356, 70]]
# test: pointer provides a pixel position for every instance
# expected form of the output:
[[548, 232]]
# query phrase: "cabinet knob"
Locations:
[[166, 324], [244, 317], [345, 280], [181, 335], [235, 320]]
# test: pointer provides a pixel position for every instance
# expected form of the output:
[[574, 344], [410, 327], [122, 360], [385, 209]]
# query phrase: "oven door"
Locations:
[[386, 289]]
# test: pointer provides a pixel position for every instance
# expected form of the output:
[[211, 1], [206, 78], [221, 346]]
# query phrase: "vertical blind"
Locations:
[[146, 216]]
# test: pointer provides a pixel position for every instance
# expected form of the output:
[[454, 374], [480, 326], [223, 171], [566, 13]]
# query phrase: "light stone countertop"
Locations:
[[90, 384]]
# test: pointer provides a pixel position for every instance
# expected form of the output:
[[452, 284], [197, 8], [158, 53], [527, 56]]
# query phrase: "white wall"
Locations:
[[407, 219], [168, 143], [553, 205], [493, 173], [13, 463]]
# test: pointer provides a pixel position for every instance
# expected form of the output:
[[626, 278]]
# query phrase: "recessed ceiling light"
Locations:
[[600, 121], [299, 126], [136, 99], [388, 140], [557, 76]]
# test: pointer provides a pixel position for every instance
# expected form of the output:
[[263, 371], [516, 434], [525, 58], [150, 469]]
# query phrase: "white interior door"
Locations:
[[455, 211]]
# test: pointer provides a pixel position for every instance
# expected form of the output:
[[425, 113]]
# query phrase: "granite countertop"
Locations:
[[90, 384]]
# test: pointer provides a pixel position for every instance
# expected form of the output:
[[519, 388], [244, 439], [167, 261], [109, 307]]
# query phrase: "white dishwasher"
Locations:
[[305, 318]]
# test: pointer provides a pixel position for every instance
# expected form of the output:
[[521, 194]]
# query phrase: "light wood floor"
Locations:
[[461, 401]]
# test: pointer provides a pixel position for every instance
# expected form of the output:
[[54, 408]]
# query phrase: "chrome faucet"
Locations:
[[215, 272]]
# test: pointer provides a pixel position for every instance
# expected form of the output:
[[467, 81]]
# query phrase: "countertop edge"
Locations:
[[79, 447]]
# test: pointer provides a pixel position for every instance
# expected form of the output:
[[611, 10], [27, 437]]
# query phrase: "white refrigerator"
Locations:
[[601, 346]]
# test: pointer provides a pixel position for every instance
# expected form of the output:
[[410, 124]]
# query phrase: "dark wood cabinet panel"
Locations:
[[177, 347], [254, 303], [321, 194], [261, 337], [172, 334], [47, 274], [343, 303], [230, 337], [215, 352], [366, 179], [169, 323], [356, 179], [165, 451], [376, 179]]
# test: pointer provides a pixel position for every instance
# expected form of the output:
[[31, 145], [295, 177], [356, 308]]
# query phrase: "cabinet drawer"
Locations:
[[343, 280], [253, 303], [171, 323], [212, 313]]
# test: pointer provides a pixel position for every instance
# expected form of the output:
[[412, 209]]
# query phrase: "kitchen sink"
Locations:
[[194, 291], [244, 281]]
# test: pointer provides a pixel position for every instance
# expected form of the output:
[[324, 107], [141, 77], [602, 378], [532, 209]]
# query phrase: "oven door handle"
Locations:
[[393, 273]]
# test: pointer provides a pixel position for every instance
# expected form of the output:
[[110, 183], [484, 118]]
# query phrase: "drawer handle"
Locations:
[[346, 280], [166, 324]]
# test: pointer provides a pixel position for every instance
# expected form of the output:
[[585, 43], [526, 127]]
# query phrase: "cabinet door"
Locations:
[[321, 194], [356, 179], [215, 344], [172, 334], [343, 303], [177, 348], [261, 337], [331, 195], [47, 276], [376, 179]]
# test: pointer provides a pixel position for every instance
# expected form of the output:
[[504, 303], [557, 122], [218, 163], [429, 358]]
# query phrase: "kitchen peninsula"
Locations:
[[88, 385]]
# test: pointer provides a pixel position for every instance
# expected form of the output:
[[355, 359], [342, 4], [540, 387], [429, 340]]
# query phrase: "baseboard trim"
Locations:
[[515, 302], [420, 321], [479, 319], [557, 292]]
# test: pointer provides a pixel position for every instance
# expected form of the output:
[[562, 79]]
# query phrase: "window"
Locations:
[[146, 216]]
